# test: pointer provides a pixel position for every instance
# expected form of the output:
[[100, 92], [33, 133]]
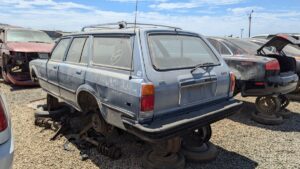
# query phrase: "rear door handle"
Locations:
[[54, 67], [79, 72]]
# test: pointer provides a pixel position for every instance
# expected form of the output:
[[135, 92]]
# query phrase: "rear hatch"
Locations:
[[185, 72]]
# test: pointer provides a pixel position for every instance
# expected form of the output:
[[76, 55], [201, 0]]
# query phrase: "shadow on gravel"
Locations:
[[226, 160], [244, 116]]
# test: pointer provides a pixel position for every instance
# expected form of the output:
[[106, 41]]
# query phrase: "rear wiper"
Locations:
[[207, 64]]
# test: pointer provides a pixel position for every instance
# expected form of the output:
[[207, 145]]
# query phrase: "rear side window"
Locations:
[[219, 47], [75, 50], [179, 51], [60, 50], [112, 52]]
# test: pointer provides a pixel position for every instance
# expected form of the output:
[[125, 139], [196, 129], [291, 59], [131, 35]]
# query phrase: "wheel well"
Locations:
[[87, 102]]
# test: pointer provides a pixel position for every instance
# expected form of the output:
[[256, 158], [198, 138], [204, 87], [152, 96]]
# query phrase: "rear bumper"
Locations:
[[162, 129], [20, 82], [276, 85], [6, 154]]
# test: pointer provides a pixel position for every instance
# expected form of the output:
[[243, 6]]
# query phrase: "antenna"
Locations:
[[133, 45]]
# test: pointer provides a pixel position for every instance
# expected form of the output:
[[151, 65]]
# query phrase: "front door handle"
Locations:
[[54, 67], [79, 72]]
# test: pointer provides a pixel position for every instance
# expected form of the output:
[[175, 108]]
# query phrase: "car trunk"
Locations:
[[277, 44]]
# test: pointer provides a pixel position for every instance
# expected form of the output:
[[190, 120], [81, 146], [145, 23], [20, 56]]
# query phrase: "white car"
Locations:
[[6, 138]]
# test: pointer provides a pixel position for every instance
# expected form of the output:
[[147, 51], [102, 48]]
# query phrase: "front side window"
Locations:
[[112, 52], [75, 50], [179, 51], [27, 36], [60, 50]]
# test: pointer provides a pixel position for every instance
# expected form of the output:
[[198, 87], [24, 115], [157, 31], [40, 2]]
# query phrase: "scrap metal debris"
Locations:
[[79, 130]]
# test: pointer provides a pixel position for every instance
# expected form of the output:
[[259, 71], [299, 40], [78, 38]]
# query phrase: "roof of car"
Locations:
[[126, 31]]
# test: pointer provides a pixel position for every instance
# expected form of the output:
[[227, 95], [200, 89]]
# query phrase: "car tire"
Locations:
[[172, 161], [206, 153], [266, 119]]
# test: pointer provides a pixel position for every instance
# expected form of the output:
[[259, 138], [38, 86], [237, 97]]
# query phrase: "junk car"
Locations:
[[157, 82], [261, 73], [18, 46]]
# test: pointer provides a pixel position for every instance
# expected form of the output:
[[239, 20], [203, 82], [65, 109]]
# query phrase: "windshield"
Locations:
[[27, 36], [179, 51]]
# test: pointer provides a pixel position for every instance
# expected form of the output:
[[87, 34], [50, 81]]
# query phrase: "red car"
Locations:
[[18, 46]]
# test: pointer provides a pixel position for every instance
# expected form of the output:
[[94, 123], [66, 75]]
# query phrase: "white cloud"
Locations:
[[245, 10], [192, 4], [50, 16]]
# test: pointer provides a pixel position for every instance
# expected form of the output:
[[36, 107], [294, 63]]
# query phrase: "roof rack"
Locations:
[[124, 25]]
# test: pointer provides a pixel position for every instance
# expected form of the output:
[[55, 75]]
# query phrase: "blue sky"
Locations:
[[208, 17]]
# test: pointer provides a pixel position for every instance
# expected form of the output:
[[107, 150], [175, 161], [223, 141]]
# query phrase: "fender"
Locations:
[[87, 88], [33, 68]]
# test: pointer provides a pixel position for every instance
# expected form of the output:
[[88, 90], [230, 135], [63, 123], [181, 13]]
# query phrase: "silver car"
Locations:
[[6, 138]]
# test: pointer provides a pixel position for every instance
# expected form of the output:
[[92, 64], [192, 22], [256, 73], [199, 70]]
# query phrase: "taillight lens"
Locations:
[[147, 98], [3, 119], [272, 65], [232, 84]]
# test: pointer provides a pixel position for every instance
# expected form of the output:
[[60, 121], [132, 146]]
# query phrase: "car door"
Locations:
[[53, 65], [72, 71]]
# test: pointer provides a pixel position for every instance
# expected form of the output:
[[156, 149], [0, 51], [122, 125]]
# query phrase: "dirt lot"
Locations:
[[242, 142]]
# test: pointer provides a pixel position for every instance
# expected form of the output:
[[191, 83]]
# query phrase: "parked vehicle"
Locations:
[[156, 82], [6, 138], [260, 73], [291, 50], [18, 46]]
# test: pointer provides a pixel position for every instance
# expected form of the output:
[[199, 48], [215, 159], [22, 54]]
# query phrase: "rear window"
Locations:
[[179, 51], [112, 52], [219, 47]]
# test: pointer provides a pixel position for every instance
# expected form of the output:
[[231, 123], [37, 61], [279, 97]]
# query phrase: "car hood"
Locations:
[[29, 47], [279, 42]]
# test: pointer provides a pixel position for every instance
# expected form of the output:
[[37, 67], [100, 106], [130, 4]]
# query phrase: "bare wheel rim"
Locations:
[[268, 105], [197, 137]]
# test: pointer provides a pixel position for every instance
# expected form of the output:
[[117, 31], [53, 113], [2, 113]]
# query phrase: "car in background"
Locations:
[[291, 50], [6, 138], [18, 46], [261, 36], [260, 73]]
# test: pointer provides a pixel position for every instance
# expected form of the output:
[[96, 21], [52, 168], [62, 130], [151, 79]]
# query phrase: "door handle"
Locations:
[[54, 67], [79, 72]]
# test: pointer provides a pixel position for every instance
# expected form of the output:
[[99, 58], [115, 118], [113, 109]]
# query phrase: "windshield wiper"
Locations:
[[207, 64]]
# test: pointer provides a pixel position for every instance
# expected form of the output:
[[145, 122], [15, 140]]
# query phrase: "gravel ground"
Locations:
[[242, 142]]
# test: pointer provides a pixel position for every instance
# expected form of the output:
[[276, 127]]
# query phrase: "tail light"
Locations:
[[272, 65], [3, 119], [232, 84], [147, 100]]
